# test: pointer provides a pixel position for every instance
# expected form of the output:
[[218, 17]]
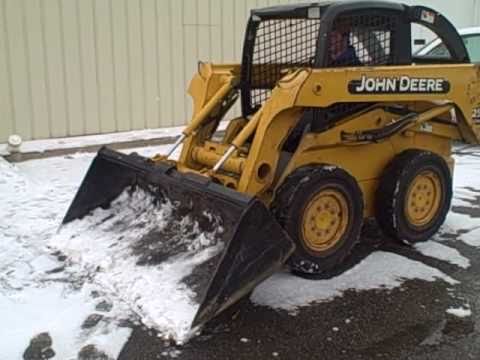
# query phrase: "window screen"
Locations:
[[280, 44]]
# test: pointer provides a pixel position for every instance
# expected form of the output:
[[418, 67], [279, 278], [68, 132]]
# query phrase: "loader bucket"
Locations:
[[253, 244]]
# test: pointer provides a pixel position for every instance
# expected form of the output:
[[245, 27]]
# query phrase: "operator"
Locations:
[[341, 52]]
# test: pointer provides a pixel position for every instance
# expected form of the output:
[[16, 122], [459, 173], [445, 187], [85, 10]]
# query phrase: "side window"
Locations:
[[472, 43], [426, 43], [357, 40], [439, 51]]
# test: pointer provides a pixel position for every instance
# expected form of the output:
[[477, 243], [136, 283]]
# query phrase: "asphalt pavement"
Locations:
[[408, 322]]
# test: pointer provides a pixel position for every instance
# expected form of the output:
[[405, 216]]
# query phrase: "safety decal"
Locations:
[[428, 16]]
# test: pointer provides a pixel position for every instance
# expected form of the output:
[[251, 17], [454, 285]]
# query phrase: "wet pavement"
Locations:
[[407, 322]]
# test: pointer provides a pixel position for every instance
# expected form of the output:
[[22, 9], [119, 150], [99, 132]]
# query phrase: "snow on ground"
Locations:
[[460, 312], [467, 194], [379, 270], [82, 141], [34, 196], [101, 139], [472, 237], [36, 293], [386, 270], [442, 252], [60, 311]]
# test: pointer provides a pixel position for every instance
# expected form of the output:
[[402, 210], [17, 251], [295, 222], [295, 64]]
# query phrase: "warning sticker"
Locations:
[[428, 16]]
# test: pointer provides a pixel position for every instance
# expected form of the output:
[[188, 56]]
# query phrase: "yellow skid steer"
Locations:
[[340, 122]]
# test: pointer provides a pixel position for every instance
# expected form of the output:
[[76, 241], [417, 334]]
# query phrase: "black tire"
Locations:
[[290, 206], [393, 193]]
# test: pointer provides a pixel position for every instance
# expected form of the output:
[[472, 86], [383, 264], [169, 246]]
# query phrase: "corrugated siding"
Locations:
[[75, 67]]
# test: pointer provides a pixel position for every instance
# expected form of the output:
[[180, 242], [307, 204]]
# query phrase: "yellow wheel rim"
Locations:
[[325, 220], [423, 198]]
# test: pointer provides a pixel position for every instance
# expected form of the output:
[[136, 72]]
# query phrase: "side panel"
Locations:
[[366, 162], [458, 84]]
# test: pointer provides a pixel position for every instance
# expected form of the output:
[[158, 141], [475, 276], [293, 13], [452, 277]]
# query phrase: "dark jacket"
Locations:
[[347, 58]]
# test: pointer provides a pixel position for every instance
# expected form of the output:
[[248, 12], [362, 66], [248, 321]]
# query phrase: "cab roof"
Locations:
[[302, 10]]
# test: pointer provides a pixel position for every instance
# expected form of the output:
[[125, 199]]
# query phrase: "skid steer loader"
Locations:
[[340, 123]]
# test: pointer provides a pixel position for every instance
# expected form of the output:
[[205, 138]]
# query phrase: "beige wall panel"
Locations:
[[19, 70], [105, 65], [55, 67], [190, 62], [228, 31], [240, 21], [250, 4], [177, 50], [190, 44], [121, 68], [165, 62], [37, 67], [150, 64], [95, 66], [73, 69], [7, 115], [88, 60], [137, 89], [203, 34], [215, 30], [262, 3]]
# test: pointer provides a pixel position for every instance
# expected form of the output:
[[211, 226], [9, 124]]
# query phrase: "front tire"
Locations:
[[321, 208], [414, 196]]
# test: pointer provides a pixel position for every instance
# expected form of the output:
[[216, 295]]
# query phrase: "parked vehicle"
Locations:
[[470, 37]]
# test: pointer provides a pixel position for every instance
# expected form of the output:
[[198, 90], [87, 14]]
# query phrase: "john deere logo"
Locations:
[[398, 85]]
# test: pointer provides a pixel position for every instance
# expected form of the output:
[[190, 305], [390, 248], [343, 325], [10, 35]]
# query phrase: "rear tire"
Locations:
[[414, 196], [321, 208]]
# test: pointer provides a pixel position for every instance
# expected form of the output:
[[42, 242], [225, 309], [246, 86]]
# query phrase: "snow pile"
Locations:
[[460, 312], [379, 270], [442, 252], [126, 251]]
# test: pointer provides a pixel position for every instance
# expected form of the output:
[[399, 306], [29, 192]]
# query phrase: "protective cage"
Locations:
[[279, 44], [276, 42]]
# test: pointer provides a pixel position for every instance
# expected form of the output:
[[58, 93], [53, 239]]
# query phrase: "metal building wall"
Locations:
[[75, 67]]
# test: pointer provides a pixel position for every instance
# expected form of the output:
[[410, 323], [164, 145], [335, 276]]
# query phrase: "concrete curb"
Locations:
[[24, 156]]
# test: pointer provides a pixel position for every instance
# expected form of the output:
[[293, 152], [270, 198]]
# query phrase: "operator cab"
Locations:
[[334, 34]]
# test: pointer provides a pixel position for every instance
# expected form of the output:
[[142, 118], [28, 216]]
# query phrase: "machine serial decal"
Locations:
[[398, 85]]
